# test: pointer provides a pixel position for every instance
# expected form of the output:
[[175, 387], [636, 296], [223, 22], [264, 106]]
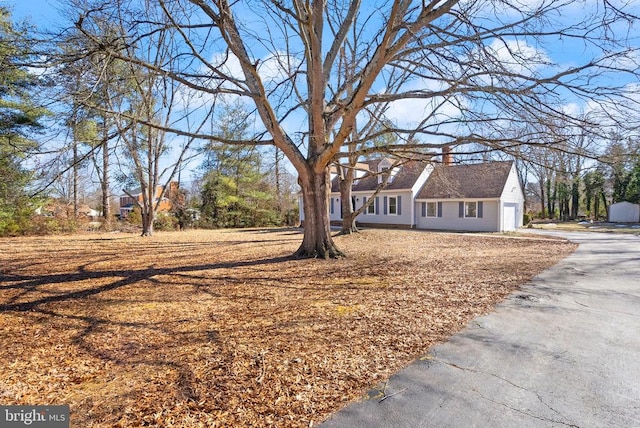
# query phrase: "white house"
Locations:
[[475, 197], [624, 212]]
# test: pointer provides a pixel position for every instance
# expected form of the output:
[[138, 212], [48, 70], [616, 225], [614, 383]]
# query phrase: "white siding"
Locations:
[[404, 218], [511, 197], [451, 220], [336, 213]]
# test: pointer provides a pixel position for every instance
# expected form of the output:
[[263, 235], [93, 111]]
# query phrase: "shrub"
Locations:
[[135, 217], [165, 221]]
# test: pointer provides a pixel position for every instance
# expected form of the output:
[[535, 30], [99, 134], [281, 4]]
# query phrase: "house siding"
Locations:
[[335, 208], [451, 220], [405, 216], [512, 195]]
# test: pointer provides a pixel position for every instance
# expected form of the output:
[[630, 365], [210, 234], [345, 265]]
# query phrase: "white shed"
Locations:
[[624, 212]]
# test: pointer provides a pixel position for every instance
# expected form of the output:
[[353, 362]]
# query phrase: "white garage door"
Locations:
[[509, 217]]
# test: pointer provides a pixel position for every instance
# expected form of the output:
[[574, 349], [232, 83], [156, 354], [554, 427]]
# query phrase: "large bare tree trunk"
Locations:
[[317, 240], [348, 211], [147, 223]]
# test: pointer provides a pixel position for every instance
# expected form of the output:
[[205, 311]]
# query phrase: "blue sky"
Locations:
[[39, 12], [563, 51]]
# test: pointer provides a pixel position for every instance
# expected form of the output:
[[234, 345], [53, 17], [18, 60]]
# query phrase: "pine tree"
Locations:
[[19, 118]]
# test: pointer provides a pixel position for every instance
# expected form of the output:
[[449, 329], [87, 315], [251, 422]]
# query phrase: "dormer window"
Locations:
[[385, 170], [384, 173]]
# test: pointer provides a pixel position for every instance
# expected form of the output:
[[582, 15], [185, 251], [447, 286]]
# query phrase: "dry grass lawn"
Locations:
[[223, 328]]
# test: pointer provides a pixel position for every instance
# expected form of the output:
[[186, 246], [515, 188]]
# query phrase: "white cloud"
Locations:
[[277, 67], [516, 56], [409, 112]]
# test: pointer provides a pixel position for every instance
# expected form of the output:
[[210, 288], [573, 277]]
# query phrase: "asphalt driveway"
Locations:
[[562, 351]]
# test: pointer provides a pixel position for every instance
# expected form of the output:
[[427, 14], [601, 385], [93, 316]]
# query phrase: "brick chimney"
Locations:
[[447, 157]]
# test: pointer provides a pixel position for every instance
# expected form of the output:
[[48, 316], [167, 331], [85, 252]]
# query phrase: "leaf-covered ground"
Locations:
[[223, 328]]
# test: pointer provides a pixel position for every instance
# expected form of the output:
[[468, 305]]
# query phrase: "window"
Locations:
[[393, 205], [432, 209], [371, 209], [385, 174], [471, 209]]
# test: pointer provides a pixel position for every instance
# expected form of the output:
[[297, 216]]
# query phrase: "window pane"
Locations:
[[431, 209], [470, 209], [393, 207], [371, 209]]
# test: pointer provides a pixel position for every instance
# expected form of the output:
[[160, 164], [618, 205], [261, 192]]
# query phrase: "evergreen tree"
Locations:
[[633, 186], [19, 118], [235, 192]]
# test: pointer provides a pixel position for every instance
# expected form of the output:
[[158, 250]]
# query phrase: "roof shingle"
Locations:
[[473, 181], [405, 178]]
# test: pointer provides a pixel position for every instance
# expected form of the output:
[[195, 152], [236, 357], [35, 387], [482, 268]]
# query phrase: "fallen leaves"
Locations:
[[222, 328]]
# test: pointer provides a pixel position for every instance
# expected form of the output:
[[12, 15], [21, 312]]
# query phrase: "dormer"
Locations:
[[385, 167]]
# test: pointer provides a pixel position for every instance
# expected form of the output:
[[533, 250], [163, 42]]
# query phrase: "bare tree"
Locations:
[[90, 79], [142, 117], [474, 73]]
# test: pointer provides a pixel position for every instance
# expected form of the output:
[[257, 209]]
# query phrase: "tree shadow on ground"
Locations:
[[31, 283]]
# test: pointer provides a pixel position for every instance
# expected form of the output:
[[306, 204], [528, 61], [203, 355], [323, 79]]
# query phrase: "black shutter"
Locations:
[[384, 205], [424, 209], [439, 209], [480, 209], [461, 209]]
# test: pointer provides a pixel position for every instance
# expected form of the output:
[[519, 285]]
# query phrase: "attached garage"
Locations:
[[510, 217]]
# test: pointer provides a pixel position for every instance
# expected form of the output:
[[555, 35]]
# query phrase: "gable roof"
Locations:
[[405, 178], [477, 181]]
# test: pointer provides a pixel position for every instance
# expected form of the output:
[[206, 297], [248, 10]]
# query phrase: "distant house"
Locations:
[[64, 209], [129, 198], [475, 197], [624, 212]]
